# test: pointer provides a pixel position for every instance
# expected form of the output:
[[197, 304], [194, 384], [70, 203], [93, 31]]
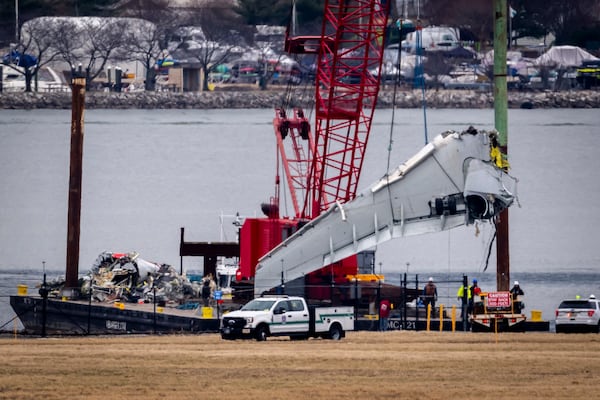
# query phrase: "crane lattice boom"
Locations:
[[323, 166], [350, 45]]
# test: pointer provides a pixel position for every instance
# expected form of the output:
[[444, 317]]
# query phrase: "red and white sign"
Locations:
[[498, 299]]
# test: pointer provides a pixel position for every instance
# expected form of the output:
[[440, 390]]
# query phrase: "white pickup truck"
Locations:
[[286, 316]]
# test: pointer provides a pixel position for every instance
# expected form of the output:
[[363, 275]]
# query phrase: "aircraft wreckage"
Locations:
[[128, 277], [450, 182]]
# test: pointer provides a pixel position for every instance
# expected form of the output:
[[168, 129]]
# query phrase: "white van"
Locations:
[[433, 38]]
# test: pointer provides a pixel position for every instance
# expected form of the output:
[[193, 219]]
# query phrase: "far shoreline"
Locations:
[[268, 99]]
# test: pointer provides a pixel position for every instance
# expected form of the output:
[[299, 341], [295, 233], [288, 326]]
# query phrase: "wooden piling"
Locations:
[[75, 179]]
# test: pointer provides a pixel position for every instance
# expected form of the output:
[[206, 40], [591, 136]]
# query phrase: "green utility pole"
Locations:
[[501, 124]]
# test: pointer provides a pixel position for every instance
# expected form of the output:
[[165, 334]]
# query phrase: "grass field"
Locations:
[[364, 365]]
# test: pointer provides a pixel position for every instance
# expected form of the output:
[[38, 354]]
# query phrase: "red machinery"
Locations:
[[324, 167]]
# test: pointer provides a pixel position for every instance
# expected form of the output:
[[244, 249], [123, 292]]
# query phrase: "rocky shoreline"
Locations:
[[272, 98]]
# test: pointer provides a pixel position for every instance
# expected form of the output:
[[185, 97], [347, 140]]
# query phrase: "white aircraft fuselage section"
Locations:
[[448, 183]]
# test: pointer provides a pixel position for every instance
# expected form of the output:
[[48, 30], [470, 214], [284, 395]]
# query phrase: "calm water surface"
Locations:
[[146, 173]]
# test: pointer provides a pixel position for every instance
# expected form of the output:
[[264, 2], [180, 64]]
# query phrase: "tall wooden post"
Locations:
[[74, 213], [501, 124]]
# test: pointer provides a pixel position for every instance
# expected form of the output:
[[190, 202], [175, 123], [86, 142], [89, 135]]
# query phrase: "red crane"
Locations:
[[327, 168], [324, 167]]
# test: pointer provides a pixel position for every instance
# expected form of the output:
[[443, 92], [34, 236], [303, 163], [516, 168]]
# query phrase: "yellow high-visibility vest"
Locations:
[[461, 290]]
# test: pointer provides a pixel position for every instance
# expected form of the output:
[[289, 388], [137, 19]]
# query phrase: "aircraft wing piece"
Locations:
[[449, 183]]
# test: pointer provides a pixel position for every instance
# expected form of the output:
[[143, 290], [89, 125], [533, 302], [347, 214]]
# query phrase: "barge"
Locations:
[[76, 317]]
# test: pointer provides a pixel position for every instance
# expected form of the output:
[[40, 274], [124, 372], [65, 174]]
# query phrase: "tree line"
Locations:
[[92, 42], [575, 22]]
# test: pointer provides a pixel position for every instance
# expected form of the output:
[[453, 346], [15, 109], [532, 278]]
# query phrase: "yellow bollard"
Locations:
[[22, 290], [428, 316], [441, 317], [207, 312], [536, 315]]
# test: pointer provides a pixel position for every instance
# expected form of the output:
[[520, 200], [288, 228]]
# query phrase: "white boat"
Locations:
[[48, 80]]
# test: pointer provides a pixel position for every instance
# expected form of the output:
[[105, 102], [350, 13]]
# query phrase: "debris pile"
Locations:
[[129, 278]]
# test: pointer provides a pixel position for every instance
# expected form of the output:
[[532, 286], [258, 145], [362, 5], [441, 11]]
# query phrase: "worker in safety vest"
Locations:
[[472, 291], [464, 300]]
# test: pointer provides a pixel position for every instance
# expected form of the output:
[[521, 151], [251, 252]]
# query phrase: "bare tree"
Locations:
[[146, 43], [477, 16], [151, 10], [34, 49], [68, 39], [106, 39], [90, 42], [435, 65], [143, 44], [255, 12], [220, 34], [571, 21]]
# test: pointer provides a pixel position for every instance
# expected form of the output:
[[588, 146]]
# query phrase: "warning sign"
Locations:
[[498, 299]]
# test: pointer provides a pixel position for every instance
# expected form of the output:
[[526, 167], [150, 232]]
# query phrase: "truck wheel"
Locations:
[[261, 333], [335, 332]]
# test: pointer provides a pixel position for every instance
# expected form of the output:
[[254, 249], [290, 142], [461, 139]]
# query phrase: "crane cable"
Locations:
[[394, 96], [419, 50], [397, 78], [422, 76], [286, 100], [490, 244], [289, 99]]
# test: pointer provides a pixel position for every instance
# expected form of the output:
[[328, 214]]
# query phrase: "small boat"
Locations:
[[48, 80]]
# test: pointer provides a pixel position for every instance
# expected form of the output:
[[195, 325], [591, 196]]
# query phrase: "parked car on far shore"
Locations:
[[578, 315]]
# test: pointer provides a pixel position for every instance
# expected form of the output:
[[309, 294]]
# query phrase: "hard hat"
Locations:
[[430, 279], [592, 296], [517, 283], [474, 280]]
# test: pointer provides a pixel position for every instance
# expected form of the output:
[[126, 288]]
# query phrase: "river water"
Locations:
[[146, 173]]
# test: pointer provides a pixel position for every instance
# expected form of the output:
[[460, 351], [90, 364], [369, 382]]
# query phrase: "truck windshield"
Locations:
[[258, 305]]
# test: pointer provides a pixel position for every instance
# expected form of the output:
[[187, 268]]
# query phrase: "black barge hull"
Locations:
[[412, 324], [83, 318]]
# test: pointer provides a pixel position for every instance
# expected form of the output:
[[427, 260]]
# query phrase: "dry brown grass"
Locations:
[[365, 365]]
